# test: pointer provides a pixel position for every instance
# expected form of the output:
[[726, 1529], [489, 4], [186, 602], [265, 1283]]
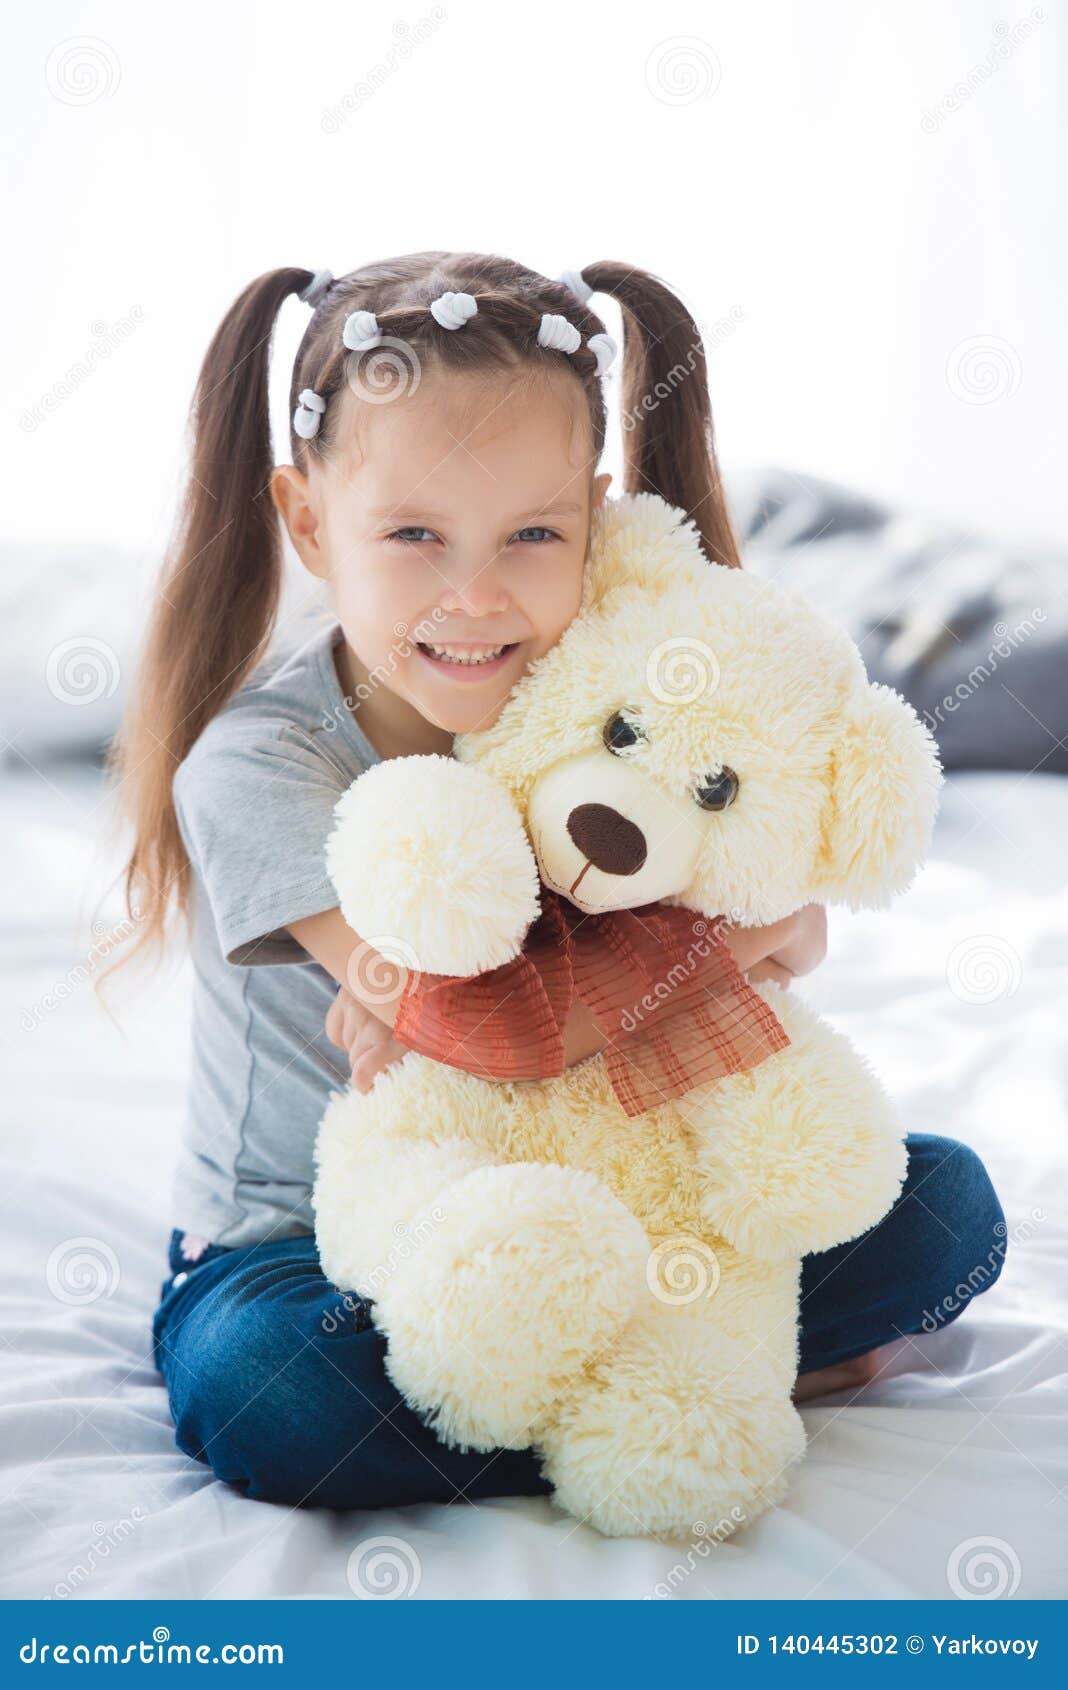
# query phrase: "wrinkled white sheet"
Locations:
[[961, 1438]]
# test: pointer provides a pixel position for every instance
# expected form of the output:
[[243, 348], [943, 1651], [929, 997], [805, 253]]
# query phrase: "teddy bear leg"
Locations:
[[682, 1431], [526, 1271], [371, 1217], [801, 1152], [379, 1168]]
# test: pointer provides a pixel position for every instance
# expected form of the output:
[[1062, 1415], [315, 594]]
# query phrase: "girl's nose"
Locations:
[[481, 593]]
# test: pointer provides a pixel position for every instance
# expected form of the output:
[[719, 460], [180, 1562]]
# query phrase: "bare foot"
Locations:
[[859, 1370]]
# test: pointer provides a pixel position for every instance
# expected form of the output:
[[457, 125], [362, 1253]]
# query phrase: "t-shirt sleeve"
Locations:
[[255, 807]]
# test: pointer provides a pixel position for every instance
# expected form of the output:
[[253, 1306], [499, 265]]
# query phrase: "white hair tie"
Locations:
[[315, 289], [308, 414], [576, 282], [604, 350], [361, 331], [452, 310], [558, 334]]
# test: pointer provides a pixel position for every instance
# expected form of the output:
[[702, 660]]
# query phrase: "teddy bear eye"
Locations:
[[619, 733], [715, 792]]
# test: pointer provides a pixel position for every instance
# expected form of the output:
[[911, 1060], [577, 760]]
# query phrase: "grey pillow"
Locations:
[[974, 636]]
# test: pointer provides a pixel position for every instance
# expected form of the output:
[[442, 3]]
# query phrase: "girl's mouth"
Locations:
[[467, 662]]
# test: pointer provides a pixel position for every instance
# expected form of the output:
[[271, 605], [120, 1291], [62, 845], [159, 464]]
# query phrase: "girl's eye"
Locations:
[[402, 533]]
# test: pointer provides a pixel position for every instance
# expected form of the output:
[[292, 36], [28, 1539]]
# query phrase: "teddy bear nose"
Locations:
[[608, 840]]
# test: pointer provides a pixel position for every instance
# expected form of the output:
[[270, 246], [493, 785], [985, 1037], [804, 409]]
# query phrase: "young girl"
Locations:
[[447, 424]]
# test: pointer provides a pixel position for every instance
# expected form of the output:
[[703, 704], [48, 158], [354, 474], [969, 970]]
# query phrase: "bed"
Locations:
[[945, 1476]]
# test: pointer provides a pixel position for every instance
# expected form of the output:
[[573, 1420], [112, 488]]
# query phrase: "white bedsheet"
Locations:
[[961, 1438]]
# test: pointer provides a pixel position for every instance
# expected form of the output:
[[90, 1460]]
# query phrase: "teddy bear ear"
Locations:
[[877, 822], [638, 539]]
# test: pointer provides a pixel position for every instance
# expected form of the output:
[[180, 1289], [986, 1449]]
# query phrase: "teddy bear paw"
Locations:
[[682, 1431]]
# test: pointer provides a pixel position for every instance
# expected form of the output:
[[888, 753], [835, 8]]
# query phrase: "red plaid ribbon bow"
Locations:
[[659, 981]]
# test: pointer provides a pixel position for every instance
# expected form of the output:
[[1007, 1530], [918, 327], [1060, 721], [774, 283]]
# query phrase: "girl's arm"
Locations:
[[795, 945], [370, 977], [371, 986]]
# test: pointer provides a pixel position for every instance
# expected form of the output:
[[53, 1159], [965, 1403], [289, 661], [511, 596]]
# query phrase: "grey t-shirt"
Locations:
[[255, 799]]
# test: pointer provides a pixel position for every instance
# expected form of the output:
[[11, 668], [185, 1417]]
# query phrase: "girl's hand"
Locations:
[[769, 969], [777, 952], [807, 943], [787, 948], [369, 1043]]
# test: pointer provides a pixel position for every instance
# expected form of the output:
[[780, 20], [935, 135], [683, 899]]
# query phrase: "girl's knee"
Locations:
[[275, 1407], [956, 1226]]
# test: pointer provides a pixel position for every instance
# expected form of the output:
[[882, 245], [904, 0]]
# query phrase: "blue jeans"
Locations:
[[277, 1380]]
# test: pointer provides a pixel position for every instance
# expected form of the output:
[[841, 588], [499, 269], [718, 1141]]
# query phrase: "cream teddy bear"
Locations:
[[620, 1291]]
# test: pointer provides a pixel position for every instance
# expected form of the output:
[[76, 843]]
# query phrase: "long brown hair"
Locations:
[[218, 597]]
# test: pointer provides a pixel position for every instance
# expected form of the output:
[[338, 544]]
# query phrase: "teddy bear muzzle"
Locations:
[[607, 837]]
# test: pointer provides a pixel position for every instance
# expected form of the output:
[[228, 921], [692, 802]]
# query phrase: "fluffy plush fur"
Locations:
[[622, 1293]]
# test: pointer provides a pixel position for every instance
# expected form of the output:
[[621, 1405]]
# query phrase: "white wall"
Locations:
[[790, 175]]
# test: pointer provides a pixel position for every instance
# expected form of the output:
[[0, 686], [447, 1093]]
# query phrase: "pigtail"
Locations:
[[216, 604], [668, 439]]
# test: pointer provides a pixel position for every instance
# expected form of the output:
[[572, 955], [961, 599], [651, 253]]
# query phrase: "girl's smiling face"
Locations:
[[459, 519]]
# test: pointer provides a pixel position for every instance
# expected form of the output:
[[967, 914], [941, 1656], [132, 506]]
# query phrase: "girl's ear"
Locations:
[[291, 497], [884, 779]]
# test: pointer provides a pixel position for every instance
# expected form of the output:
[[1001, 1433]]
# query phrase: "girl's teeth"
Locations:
[[450, 654]]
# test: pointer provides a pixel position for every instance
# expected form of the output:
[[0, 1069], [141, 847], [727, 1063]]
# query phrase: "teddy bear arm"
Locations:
[[432, 855]]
